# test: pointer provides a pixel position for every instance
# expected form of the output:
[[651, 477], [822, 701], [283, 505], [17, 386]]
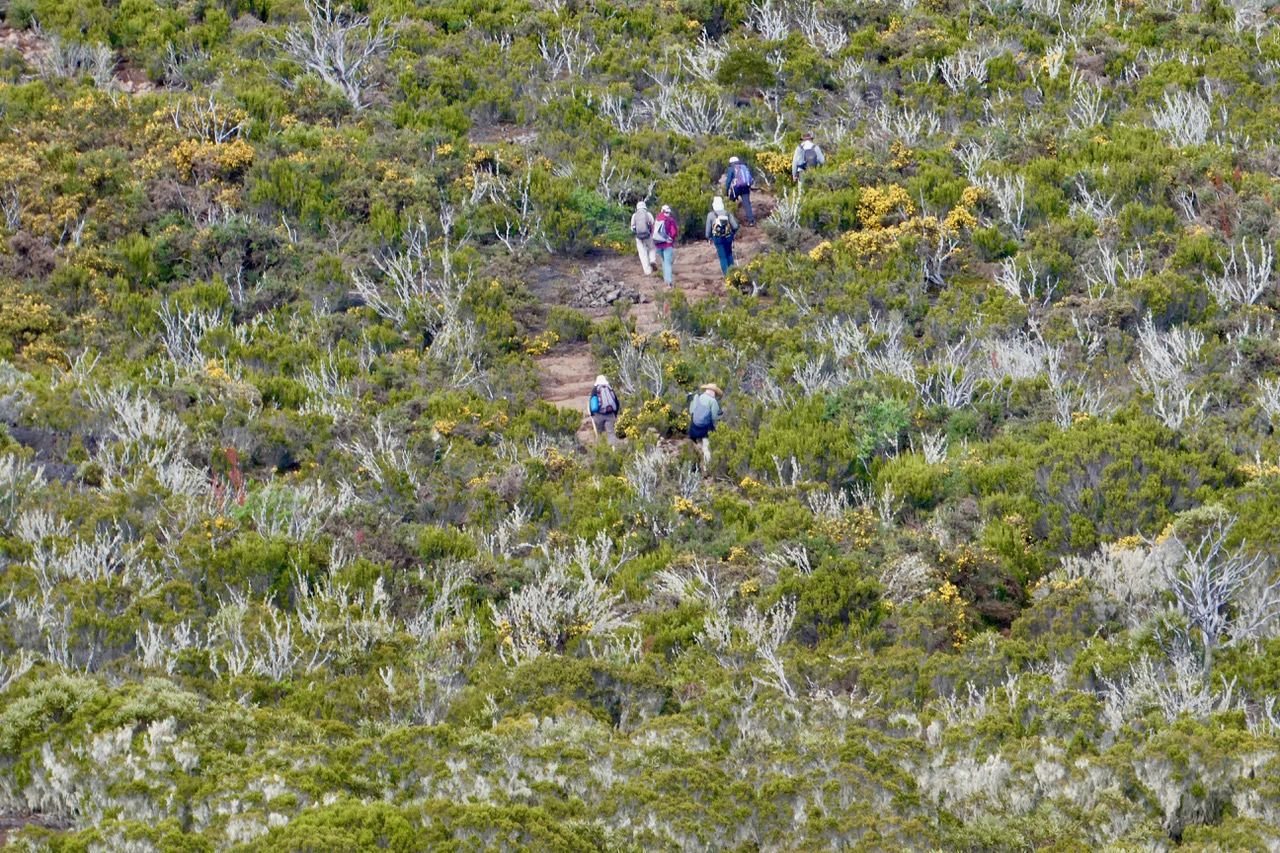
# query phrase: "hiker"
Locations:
[[806, 156], [604, 408], [721, 226], [737, 187], [704, 414], [642, 229], [665, 233]]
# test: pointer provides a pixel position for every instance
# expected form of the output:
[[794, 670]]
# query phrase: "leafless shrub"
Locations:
[[1243, 281], [1184, 119], [207, 119], [768, 20], [973, 157], [1269, 397], [1132, 577], [1227, 595], [181, 334], [1164, 371], [67, 60], [1010, 194], [690, 112], [339, 47], [18, 481], [565, 599], [905, 579], [566, 52], [1175, 688], [757, 636]]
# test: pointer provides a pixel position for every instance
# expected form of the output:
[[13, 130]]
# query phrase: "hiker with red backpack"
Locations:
[[642, 223], [806, 156], [737, 187], [665, 232], [721, 226], [604, 408]]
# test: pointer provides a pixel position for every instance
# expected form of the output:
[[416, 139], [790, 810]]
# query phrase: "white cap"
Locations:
[[666, 208], [600, 380], [717, 204], [734, 160], [640, 205]]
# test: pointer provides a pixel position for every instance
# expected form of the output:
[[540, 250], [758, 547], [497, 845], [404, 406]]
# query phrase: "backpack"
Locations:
[[660, 232], [742, 177], [722, 227], [643, 231], [810, 156], [700, 417], [606, 401]]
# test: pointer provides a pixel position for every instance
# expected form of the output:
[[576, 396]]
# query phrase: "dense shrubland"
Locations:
[[292, 557]]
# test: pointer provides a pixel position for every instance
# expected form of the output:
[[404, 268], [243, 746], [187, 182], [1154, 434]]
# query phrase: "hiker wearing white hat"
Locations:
[[737, 187], [604, 408], [642, 229], [721, 226]]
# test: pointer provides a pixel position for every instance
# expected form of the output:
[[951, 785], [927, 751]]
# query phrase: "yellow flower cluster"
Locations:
[[875, 204], [541, 344], [775, 163], [668, 340], [206, 160], [1259, 471], [689, 509]]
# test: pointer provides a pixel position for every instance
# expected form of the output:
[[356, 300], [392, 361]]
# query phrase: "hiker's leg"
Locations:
[[610, 432], [744, 202], [721, 250], [653, 252], [667, 254], [728, 253], [644, 257], [705, 445]]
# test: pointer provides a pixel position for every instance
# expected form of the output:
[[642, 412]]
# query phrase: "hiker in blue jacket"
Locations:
[[737, 187], [721, 226]]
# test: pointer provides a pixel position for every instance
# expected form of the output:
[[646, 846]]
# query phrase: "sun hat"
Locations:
[[666, 208], [713, 388], [717, 204], [640, 205], [601, 380], [734, 160]]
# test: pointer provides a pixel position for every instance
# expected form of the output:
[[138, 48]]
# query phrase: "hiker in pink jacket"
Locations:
[[665, 232]]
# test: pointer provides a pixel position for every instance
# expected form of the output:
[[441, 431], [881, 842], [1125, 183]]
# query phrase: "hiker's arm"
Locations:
[[733, 223], [822, 158]]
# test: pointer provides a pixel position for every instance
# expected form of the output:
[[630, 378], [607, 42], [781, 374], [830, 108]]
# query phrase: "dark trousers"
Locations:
[[744, 205], [724, 248]]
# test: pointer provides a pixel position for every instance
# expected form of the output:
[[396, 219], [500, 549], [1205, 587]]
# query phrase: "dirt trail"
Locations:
[[569, 371]]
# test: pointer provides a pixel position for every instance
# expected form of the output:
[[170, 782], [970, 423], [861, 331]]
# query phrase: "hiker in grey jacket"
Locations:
[[721, 226], [642, 229], [807, 154], [704, 415]]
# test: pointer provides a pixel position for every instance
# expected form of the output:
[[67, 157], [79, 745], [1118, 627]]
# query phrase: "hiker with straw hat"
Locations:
[[704, 414], [806, 156]]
